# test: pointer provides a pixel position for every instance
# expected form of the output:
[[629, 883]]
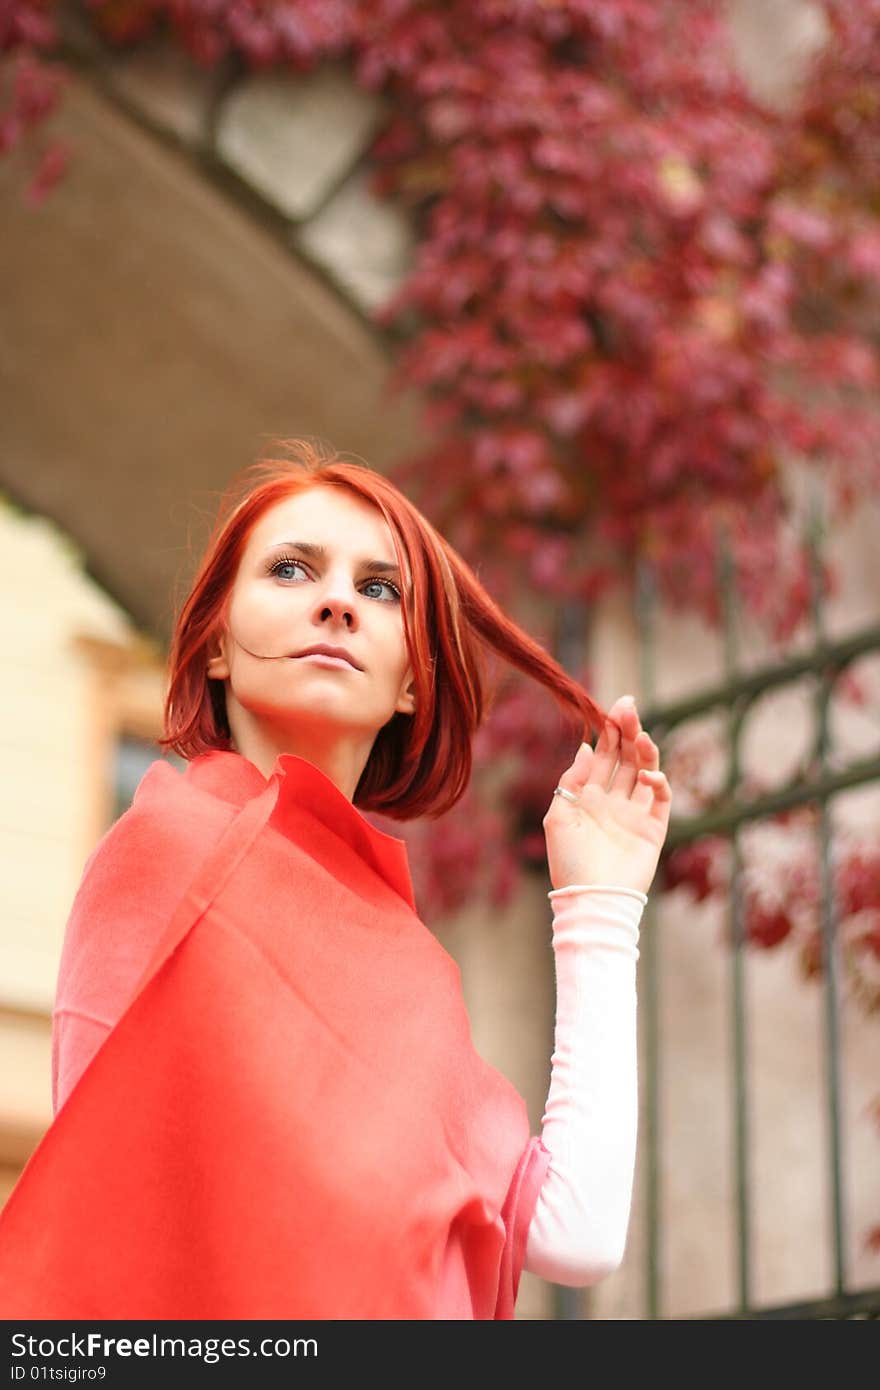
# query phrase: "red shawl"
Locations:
[[288, 1118]]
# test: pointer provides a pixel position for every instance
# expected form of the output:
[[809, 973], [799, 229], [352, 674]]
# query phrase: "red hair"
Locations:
[[420, 764]]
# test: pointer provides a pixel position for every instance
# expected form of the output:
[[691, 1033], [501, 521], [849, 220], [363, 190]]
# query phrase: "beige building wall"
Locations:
[[75, 676]]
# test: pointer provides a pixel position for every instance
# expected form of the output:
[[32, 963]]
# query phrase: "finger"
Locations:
[[575, 777], [658, 783], [649, 760], [605, 753], [628, 768], [649, 751]]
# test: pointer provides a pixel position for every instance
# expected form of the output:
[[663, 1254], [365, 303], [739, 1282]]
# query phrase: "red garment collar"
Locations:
[[234, 778]]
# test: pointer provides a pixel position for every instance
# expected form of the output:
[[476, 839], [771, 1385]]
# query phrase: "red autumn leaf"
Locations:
[[858, 883], [765, 925], [693, 867]]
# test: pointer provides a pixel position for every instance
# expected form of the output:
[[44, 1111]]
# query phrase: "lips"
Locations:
[[338, 652]]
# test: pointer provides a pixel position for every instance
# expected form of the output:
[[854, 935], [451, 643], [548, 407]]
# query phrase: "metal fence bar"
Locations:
[[646, 608], [727, 589], [863, 1304], [767, 677], [729, 817], [829, 918]]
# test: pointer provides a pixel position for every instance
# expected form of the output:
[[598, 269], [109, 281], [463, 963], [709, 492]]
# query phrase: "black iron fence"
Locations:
[[732, 699], [816, 783]]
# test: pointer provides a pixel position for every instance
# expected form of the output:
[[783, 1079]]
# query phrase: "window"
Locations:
[[132, 757]]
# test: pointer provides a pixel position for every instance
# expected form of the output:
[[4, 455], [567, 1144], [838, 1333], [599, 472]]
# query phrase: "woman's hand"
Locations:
[[615, 832]]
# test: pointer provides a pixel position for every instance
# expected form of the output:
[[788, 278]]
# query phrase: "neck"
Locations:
[[341, 758]]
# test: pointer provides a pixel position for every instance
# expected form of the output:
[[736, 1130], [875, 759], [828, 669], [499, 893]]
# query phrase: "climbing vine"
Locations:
[[638, 299]]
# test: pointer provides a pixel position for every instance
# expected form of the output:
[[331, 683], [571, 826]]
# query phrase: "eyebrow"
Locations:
[[319, 552]]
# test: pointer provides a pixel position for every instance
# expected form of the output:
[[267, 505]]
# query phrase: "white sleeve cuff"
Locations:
[[578, 1231]]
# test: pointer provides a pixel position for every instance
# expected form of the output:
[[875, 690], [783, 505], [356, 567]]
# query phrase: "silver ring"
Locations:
[[569, 796]]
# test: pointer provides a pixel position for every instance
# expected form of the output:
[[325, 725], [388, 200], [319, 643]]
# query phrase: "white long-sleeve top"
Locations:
[[578, 1231]]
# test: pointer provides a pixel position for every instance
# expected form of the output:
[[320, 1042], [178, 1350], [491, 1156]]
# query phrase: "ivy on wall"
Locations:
[[638, 297]]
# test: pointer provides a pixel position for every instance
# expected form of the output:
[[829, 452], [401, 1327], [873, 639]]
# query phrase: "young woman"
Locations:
[[268, 1103]]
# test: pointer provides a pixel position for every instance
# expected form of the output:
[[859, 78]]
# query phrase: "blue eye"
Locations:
[[288, 562], [388, 583], [285, 564]]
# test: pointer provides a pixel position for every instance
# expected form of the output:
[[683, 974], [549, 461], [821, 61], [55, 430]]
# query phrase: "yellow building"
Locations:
[[82, 704]]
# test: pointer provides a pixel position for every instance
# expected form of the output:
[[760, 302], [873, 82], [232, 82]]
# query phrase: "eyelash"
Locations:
[[291, 560]]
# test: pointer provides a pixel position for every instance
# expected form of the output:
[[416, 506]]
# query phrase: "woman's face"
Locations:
[[286, 598]]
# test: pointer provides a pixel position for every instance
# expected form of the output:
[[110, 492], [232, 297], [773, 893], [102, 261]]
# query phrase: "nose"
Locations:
[[336, 598]]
